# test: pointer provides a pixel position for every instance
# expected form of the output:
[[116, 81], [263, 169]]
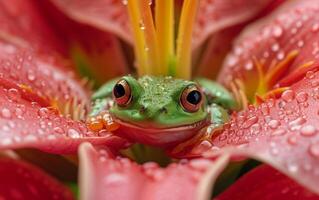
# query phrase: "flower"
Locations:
[[43, 102]]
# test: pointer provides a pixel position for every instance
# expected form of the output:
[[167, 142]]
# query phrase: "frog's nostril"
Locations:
[[142, 109], [163, 110]]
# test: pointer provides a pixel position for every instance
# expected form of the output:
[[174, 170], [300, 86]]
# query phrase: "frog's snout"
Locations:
[[151, 112]]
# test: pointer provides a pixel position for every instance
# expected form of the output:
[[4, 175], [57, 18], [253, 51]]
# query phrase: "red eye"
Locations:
[[122, 93], [191, 99]]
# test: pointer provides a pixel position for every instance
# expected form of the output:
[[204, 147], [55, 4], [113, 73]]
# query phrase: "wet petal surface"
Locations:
[[281, 132], [290, 29], [214, 16], [272, 185], [108, 15], [104, 177]]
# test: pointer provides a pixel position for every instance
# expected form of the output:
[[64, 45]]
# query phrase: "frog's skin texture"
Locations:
[[155, 115]]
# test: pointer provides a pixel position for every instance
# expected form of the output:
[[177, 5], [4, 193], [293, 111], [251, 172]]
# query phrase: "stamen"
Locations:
[[139, 36], [183, 62], [150, 38], [164, 22]]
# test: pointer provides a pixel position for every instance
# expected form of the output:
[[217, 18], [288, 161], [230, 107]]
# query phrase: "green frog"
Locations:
[[160, 111]]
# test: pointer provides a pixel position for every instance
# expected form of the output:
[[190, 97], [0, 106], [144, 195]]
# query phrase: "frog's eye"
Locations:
[[191, 99], [122, 93]]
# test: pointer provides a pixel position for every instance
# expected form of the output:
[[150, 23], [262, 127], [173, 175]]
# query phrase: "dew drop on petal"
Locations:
[[13, 94], [5, 112], [308, 130], [314, 150], [73, 133], [301, 97], [278, 132], [273, 124], [315, 27], [288, 95], [292, 140], [292, 167], [277, 32], [250, 122], [275, 47]]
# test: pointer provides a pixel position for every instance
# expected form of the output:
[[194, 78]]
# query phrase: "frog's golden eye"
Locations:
[[191, 99], [122, 93]]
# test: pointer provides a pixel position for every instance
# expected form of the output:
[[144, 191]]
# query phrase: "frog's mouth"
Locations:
[[161, 137]]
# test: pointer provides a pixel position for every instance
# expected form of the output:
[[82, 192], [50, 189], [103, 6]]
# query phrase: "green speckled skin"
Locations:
[[156, 102]]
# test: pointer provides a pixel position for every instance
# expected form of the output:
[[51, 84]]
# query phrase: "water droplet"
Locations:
[[58, 130], [277, 31], [292, 167], [43, 112], [310, 74], [300, 43], [292, 140], [281, 55], [249, 66], [308, 130], [297, 122], [288, 95], [31, 75], [278, 132], [13, 94], [73, 133], [250, 122], [275, 47], [315, 27], [5, 112], [141, 24], [314, 150], [273, 124], [301, 97]]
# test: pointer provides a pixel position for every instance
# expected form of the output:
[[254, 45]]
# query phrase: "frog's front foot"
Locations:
[[102, 121]]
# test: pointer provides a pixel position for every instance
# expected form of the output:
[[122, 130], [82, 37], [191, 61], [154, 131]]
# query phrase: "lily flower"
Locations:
[[55, 53]]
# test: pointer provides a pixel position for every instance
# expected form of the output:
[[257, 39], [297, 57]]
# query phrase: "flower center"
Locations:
[[155, 48]]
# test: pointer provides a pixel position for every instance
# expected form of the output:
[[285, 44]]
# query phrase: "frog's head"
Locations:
[[158, 110]]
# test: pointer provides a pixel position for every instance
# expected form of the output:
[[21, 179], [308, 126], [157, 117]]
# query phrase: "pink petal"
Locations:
[[265, 183], [26, 121], [98, 53], [23, 25], [27, 68], [216, 15], [283, 133], [105, 177], [20, 180], [292, 27], [29, 89], [107, 15]]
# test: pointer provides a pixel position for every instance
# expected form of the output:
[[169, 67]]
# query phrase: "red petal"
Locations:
[[28, 86], [23, 25], [20, 180], [98, 54], [214, 16], [42, 77], [292, 27], [265, 183], [107, 15], [25, 121], [284, 133], [104, 177]]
